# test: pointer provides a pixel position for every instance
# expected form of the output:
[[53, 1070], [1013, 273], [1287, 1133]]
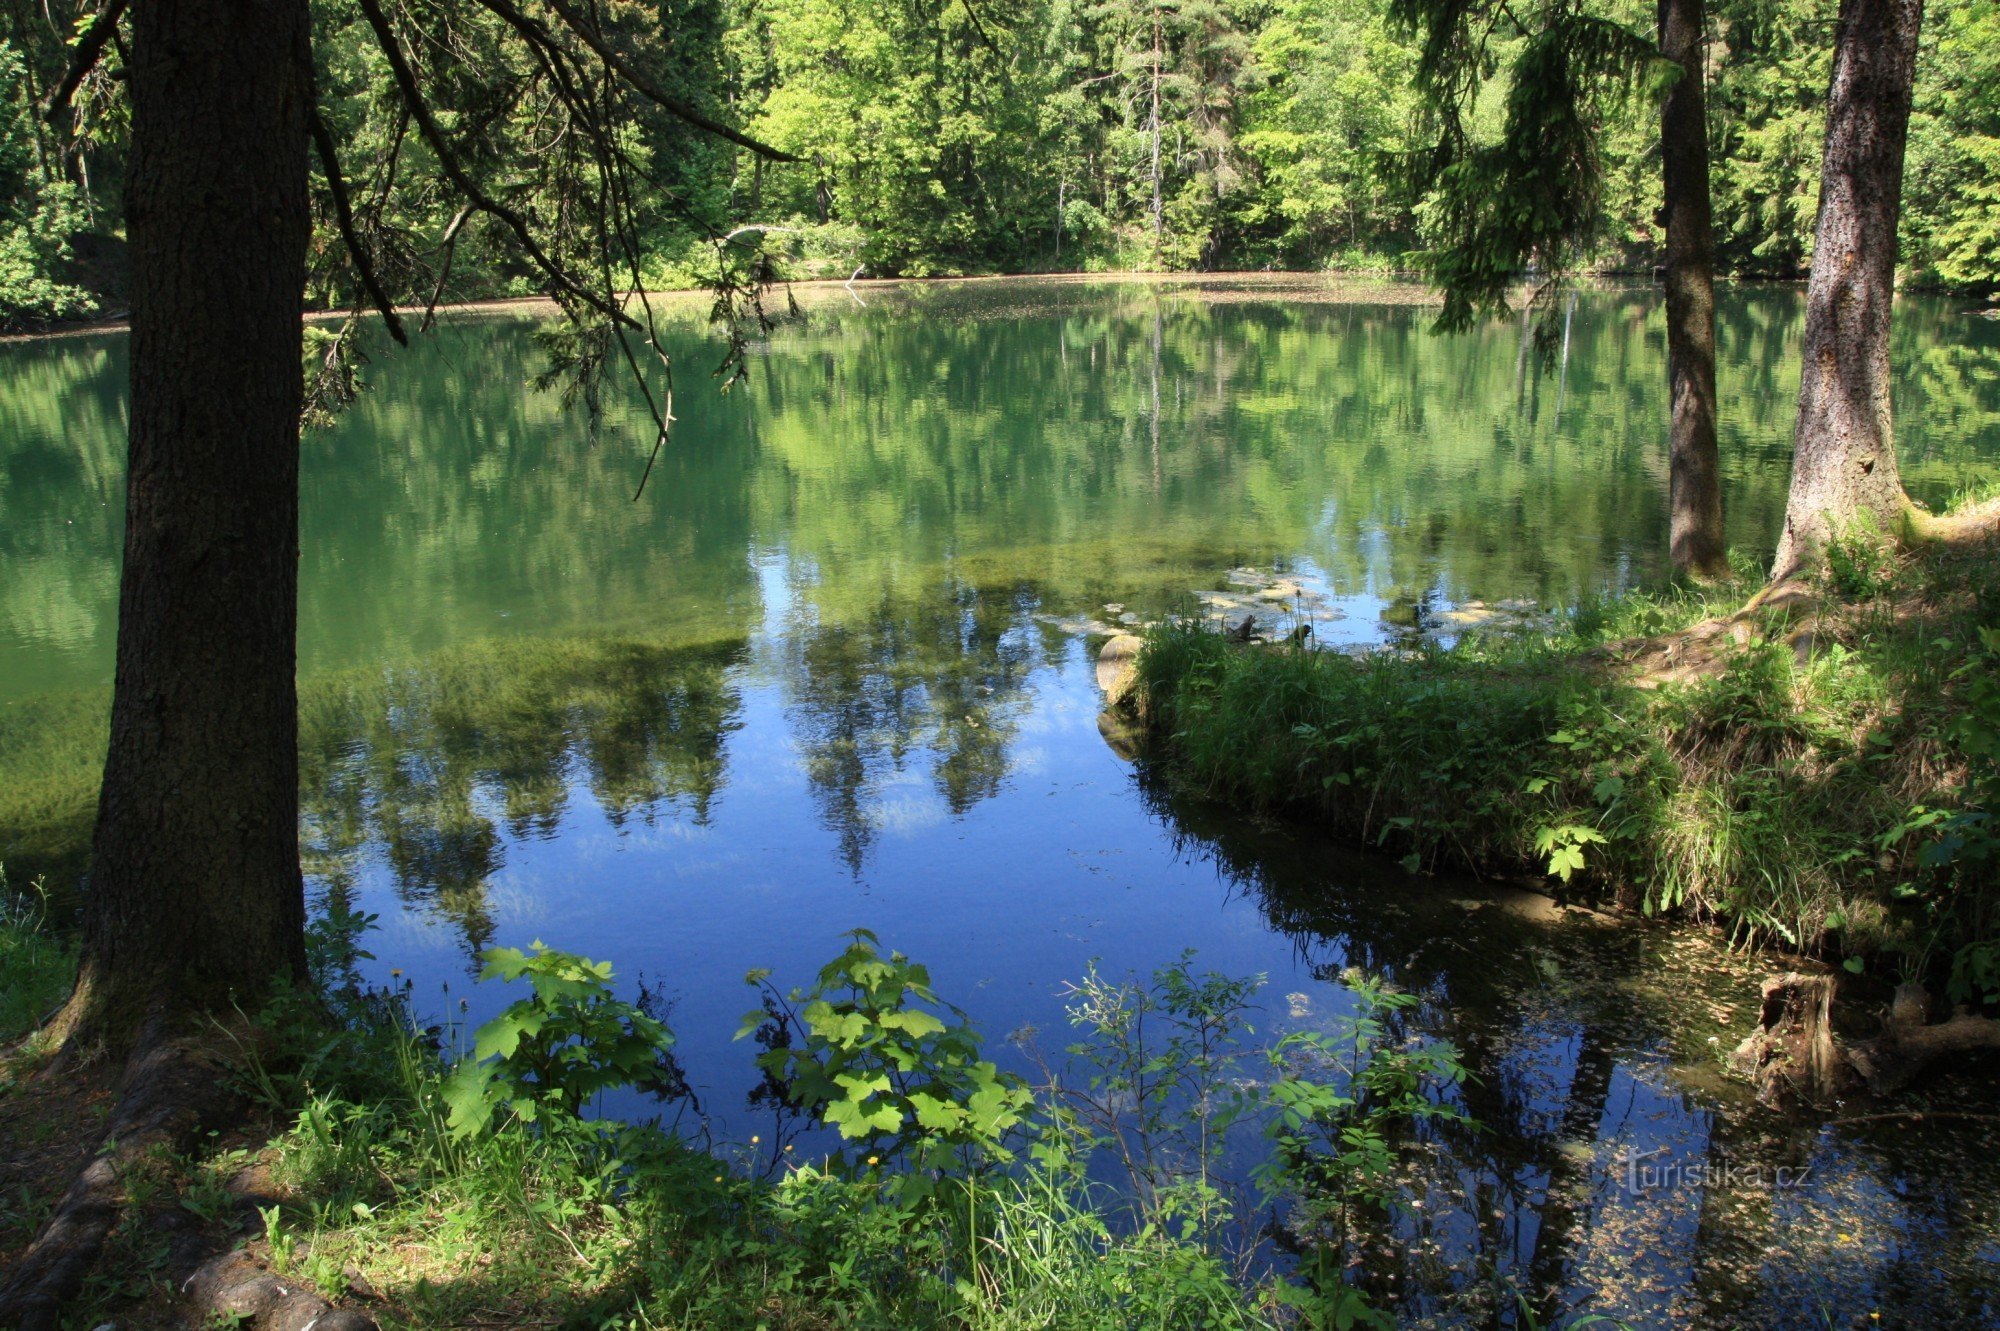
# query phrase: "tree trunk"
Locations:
[[195, 898], [1695, 471], [1159, 222], [1843, 452]]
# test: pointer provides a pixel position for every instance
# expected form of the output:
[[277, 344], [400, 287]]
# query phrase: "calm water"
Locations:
[[827, 673]]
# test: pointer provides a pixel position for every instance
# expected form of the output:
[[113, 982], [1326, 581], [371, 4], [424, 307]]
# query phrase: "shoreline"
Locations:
[[1402, 280]]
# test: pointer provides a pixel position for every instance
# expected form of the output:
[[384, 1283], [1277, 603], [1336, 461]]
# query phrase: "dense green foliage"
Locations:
[[1828, 786], [939, 137], [1521, 103], [950, 138], [39, 210], [555, 1052]]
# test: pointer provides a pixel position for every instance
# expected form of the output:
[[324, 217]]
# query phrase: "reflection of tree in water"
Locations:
[[432, 763], [936, 675], [1578, 1034]]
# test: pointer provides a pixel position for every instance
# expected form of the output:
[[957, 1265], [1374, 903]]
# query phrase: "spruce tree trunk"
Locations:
[[1695, 470], [1843, 452], [194, 897]]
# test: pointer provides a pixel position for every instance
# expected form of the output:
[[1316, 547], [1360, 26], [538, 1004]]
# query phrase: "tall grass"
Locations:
[[1774, 793], [36, 964]]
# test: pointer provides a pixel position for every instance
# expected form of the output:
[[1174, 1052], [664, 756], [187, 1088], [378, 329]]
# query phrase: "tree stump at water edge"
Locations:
[[1794, 1055]]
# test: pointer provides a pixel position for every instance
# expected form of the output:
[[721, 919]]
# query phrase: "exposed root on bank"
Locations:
[[1790, 611], [234, 1290], [1977, 525], [174, 1091]]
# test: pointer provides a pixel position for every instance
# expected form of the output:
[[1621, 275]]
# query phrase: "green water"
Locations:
[[832, 670]]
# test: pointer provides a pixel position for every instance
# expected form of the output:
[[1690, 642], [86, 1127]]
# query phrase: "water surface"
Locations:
[[828, 672]]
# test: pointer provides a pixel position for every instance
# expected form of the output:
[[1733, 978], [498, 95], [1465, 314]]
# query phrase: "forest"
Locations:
[[1389, 715], [947, 137]]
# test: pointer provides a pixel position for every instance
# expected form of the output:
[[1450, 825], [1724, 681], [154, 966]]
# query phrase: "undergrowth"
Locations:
[[491, 1187], [36, 960], [1830, 792]]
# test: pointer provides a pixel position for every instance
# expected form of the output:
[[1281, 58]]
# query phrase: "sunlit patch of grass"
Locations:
[[1771, 794], [1647, 612]]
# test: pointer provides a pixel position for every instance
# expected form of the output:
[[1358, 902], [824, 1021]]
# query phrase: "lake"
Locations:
[[834, 669]]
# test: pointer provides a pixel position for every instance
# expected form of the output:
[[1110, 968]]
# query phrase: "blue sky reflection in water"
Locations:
[[833, 671]]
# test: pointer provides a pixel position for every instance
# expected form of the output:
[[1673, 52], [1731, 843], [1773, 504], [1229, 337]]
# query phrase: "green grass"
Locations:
[[36, 964], [1773, 795], [550, 1218], [660, 1234]]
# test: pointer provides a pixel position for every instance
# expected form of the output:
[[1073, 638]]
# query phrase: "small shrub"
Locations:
[[871, 1051], [554, 1052], [1153, 1085], [1862, 561]]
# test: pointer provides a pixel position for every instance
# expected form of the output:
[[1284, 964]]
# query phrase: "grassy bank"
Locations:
[[439, 1177], [1815, 773]]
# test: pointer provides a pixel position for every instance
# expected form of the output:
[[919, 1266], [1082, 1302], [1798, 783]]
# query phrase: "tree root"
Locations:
[[1789, 611], [1794, 1054], [1972, 526], [173, 1091], [234, 1290]]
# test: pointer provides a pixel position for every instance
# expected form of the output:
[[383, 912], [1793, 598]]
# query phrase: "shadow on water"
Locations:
[[1615, 1169]]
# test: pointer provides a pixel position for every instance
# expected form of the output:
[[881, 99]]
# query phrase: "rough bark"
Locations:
[[1792, 1054], [195, 897], [1695, 472], [1843, 451]]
